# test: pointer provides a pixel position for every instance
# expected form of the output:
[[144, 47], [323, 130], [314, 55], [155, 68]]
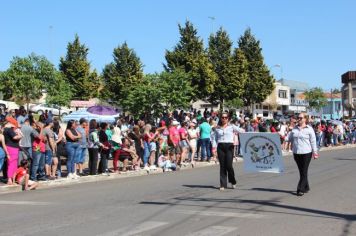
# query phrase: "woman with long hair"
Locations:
[[72, 148]]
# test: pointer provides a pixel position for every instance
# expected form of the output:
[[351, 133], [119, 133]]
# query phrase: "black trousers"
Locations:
[[93, 160], [225, 156], [104, 156], [303, 161]]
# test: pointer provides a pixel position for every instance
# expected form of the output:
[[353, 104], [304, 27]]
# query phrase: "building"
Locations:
[[277, 103], [297, 98], [348, 92], [333, 110]]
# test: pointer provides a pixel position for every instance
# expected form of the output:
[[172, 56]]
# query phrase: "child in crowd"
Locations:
[[22, 177], [165, 163]]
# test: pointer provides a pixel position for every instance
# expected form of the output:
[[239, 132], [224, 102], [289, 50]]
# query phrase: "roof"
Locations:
[[332, 95], [292, 84]]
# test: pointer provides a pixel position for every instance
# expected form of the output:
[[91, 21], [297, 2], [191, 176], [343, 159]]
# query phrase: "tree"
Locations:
[[230, 68], [176, 92], [190, 56], [316, 98], [143, 98], [259, 82], [27, 77], [122, 74], [76, 70], [58, 91]]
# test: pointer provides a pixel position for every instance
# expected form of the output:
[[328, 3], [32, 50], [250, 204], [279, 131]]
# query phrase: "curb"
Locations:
[[98, 178]]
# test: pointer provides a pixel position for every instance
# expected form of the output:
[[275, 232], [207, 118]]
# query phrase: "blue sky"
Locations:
[[313, 41]]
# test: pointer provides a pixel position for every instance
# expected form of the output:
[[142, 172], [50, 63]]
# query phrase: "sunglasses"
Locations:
[[300, 117], [224, 117]]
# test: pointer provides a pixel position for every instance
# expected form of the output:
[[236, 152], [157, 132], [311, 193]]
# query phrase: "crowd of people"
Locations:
[[33, 150]]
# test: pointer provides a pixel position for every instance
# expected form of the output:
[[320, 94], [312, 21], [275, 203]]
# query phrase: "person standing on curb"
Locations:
[[303, 142], [224, 135]]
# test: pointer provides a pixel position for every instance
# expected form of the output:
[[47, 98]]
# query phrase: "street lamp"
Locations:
[[212, 18]]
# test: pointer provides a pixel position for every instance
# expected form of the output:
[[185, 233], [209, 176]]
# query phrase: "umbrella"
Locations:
[[103, 110], [77, 115]]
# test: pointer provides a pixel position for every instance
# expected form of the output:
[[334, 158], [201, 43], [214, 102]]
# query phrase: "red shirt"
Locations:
[[38, 144], [20, 172]]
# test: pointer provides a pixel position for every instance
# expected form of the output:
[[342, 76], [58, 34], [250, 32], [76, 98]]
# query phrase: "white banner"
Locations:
[[262, 152]]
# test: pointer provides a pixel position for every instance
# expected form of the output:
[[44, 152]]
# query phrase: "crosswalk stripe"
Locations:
[[222, 214], [214, 231], [145, 226]]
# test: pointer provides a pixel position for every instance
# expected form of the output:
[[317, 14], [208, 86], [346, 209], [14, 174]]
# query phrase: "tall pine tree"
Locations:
[[230, 69], [120, 75], [259, 82], [190, 56], [76, 71]]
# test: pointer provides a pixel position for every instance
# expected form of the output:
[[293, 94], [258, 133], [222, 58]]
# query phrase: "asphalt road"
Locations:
[[189, 203]]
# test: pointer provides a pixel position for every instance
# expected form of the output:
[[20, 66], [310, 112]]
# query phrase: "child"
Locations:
[[23, 178], [165, 163]]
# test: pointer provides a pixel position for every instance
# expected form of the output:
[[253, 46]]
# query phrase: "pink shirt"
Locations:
[[174, 135], [183, 132]]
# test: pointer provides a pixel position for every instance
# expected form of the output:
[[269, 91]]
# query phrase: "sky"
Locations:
[[310, 41]]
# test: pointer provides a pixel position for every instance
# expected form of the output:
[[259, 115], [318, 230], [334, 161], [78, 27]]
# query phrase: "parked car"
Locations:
[[8, 105], [41, 108]]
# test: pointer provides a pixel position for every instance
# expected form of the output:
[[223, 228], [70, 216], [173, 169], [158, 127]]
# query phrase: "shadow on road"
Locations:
[[345, 159], [272, 190], [199, 186], [302, 211]]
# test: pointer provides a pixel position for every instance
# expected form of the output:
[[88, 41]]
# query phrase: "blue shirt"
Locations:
[[303, 140], [83, 140]]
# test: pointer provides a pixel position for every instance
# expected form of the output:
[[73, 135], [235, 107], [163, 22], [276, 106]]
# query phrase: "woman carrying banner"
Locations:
[[303, 142], [224, 135]]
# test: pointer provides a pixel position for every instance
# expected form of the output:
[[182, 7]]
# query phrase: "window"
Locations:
[[282, 93]]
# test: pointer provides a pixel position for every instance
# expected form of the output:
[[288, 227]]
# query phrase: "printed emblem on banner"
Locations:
[[262, 152]]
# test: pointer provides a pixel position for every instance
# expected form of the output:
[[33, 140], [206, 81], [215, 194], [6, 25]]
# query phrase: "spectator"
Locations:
[[104, 149], [72, 148], [38, 154], [50, 149], [22, 177], [204, 131], [12, 136], [82, 129]]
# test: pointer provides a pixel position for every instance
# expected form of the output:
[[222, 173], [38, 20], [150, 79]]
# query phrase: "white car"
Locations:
[[41, 108], [8, 105]]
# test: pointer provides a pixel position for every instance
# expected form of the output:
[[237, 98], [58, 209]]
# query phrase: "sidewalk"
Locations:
[[87, 179]]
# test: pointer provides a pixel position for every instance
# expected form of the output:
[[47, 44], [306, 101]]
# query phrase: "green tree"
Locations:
[[76, 70], [190, 56], [58, 91], [27, 77], [176, 92], [143, 99], [316, 98], [230, 68], [259, 82], [125, 72]]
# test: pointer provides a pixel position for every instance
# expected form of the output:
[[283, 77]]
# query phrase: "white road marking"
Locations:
[[222, 214], [214, 231], [24, 203], [145, 226]]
